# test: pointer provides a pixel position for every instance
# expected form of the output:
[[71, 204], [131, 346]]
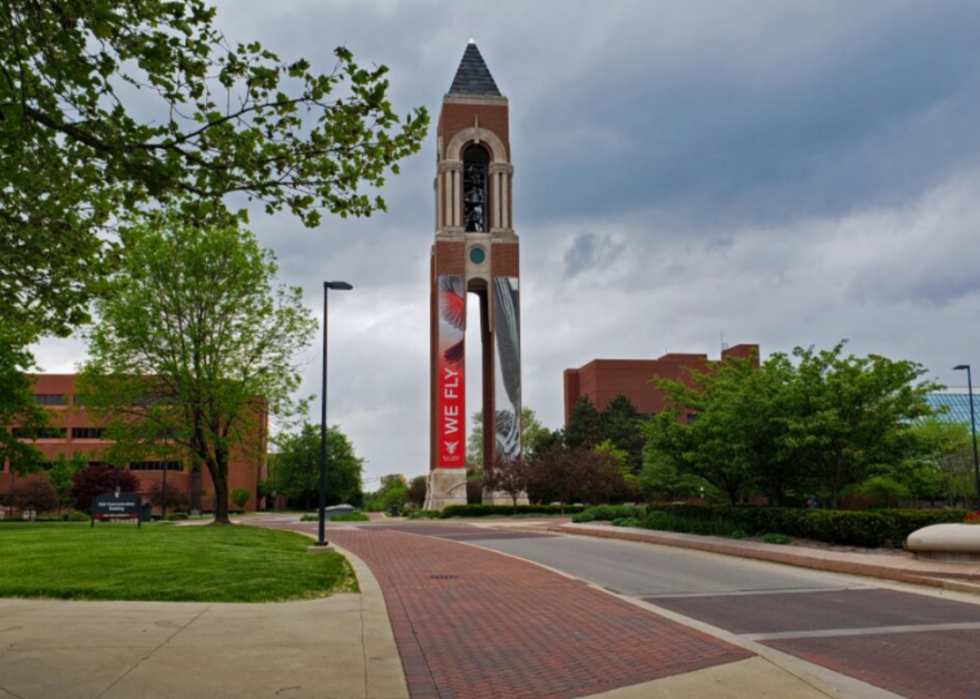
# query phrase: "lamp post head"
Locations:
[[337, 286], [961, 367]]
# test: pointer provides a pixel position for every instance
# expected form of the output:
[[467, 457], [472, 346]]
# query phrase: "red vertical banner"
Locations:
[[452, 372]]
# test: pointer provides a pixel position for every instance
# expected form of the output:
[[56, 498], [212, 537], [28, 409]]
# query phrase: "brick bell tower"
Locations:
[[475, 258]]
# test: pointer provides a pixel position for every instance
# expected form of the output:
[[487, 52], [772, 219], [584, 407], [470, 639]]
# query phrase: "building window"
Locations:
[[476, 204], [40, 432], [87, 432], [156, 466], [50, 399], [691, 418]]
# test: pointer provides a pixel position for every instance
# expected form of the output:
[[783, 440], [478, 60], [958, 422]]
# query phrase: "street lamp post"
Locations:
[[321, 539], [973, 429]]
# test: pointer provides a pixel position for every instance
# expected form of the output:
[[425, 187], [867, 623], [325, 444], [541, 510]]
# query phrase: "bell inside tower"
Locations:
[[476, 165]]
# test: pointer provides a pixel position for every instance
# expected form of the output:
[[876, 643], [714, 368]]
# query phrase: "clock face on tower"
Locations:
[[478, 255]]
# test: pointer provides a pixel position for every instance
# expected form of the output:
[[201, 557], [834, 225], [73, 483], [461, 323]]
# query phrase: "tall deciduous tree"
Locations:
[[196, 339], [855, 414], [297, 473], [62, 474], [109, 106]]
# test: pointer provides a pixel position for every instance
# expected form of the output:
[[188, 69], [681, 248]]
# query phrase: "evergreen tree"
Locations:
[[622, 425], [584, 430]]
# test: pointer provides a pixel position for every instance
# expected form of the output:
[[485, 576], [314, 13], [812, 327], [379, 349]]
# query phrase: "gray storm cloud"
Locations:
[[782, 173]]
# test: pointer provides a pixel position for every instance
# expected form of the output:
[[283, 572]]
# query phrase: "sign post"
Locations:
[[116, 505]]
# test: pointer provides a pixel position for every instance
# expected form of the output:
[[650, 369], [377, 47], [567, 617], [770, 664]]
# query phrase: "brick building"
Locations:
[[73, 429], [604, 379]]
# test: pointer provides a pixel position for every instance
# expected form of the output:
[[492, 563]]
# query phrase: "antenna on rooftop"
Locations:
[[724, 345]]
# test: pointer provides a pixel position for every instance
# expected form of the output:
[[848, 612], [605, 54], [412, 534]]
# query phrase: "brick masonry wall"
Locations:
[[506, 259], [604, 379], [455, 117], [244, 470]]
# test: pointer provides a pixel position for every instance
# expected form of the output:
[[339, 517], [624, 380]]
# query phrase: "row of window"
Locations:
[[58, 432], [135, 466], [156, 466], [61, 399]]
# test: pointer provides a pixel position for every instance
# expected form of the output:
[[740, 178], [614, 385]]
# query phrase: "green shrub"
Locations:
[[352, 517], [670, 522], [505, 510], [775, 538], [76, 516], [739, 534], [176, 516], [626, 522], [608, 513], [871, 529]]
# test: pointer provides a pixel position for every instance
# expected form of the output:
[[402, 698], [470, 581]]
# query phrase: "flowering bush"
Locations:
[[972, 518]]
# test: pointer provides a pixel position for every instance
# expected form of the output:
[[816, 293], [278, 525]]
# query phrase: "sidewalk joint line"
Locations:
[[152, 652]]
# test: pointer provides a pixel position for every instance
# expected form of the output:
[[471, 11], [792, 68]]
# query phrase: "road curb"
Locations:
[[776, 554]]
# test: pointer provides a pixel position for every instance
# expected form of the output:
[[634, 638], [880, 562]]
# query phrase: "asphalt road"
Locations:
[[644, 570]]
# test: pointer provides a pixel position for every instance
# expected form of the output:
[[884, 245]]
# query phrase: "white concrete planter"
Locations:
[[950, 542]]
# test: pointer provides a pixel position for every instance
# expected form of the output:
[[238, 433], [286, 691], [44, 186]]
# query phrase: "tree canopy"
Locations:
[[819, 422], [195, 342], [106, 108], [296, 473]]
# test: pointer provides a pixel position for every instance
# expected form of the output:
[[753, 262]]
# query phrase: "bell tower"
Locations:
[[475, 258]]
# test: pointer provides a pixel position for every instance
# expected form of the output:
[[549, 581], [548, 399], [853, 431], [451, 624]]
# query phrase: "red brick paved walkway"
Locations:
[[474, 624]]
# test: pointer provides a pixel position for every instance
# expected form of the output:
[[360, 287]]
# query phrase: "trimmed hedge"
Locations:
[[609, 513], [867, 528], [505, 510]]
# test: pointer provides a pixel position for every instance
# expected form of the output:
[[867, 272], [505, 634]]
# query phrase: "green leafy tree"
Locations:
[[584, 430], [941, 463], [711, 446], [108, 107], [297, 471], [416, 491], [195, 340], [240, 497], [532, 432], [881, 488], [623, 426], [62, 475], [854, 415], [17, 406]]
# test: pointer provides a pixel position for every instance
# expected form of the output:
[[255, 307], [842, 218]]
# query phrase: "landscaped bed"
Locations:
[[867, 529], [163, 562]]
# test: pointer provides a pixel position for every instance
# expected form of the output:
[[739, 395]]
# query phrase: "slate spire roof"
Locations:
[[473, 77]]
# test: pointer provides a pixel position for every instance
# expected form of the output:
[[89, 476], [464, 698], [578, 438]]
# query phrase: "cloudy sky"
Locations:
[[783, 173]]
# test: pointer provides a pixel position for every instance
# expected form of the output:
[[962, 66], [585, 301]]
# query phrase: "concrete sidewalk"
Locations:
[[898, 567], [340, 646]]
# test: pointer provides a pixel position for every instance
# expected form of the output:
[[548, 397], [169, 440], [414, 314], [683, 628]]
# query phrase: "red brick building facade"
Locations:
[[604, 379], [75, 430]]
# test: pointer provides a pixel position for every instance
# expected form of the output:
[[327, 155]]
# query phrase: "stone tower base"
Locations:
[[497, 498], [447, 486]]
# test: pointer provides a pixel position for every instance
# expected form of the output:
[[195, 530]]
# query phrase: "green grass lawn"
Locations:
[[167, 563]]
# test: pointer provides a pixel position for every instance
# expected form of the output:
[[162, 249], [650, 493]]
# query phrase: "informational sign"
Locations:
[[116, 505], [452, 372]]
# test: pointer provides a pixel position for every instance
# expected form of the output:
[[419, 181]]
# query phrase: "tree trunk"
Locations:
[[220, 477]]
